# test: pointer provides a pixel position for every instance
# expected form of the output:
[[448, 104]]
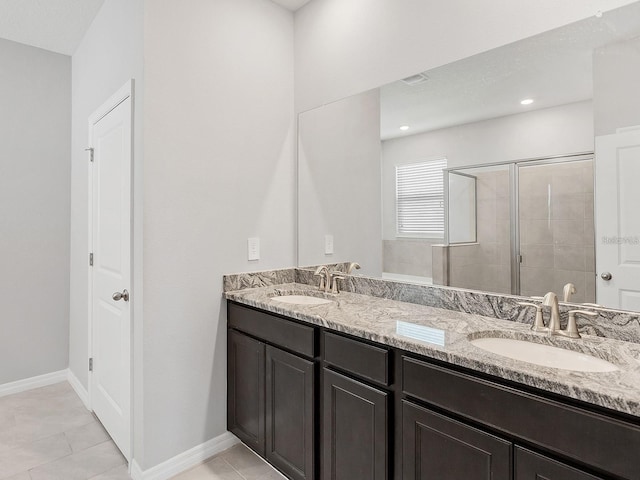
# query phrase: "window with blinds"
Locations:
[[420, 199]]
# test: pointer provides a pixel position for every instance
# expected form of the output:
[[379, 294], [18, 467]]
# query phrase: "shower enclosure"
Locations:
[[523, 227]]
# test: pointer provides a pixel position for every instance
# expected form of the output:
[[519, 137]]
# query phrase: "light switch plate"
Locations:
[[328, 244], [253, 248]]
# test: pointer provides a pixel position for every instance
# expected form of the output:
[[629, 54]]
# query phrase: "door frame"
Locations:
[[122, 94]]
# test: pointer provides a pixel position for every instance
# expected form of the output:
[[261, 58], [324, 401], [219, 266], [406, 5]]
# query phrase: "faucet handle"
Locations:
[[572, 327], [538, 325], [334, 283]]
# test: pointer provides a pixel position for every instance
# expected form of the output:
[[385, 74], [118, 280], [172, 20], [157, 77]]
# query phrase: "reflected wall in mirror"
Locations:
[[494, 220]]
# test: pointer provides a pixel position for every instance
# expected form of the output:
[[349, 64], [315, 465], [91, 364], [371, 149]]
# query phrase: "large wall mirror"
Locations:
[[513, 171]]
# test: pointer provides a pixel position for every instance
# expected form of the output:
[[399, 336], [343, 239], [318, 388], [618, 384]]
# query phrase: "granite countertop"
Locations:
[[447, 337]]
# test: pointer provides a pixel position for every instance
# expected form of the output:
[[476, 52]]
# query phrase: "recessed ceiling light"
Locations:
[[404, 128], [527, 101]]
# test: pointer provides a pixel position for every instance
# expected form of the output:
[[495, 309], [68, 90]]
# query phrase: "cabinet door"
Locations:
[[437, 447], [532, 466], [355, 419], [290, 442], [245, 389]]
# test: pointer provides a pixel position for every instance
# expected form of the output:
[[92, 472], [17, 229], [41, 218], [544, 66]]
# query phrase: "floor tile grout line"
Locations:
[[234, 469], [66, 456]]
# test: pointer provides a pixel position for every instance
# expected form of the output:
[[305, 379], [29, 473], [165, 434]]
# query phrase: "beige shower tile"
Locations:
[[535, 281], [587, 177], [536, 232], [569, 258], [487, 231], [537, 255], [486, 209], [589, 259], [590, 287], [568, 232], [534, 206], [568, 207]]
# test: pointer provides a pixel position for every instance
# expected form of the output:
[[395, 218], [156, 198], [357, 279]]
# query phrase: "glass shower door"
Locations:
[[556, 228]]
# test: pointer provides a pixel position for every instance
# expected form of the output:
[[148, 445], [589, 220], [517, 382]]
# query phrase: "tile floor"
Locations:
[[48, 434]]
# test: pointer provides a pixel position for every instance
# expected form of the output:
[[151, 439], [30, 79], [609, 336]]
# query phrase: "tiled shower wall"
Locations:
[[556, 233], [408, 256], [557, 229], [486, 265]]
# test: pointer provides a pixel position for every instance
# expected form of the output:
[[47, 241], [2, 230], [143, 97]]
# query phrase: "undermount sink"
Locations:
[[544, 355], [301, 300]]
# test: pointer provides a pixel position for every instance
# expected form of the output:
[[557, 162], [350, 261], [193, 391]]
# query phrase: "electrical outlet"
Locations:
[[328, 244], [253, 248]]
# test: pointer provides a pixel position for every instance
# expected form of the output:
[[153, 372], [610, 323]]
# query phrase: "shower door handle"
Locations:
[[606, 276]]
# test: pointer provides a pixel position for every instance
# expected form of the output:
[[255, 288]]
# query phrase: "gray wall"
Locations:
[[110, 54], [219, 168], [339, 183], [35, 111], [616, 99]]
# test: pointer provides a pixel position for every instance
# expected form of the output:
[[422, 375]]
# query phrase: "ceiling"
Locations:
[[553, 68], [292, 5], [60, 25], [55, 25]]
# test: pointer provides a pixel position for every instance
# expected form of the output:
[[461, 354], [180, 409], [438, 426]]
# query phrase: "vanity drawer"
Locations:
[[361, 359], [582, 435], [270, 328]]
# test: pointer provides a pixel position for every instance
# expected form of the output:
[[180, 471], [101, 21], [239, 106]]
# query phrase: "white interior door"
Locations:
[[110, 130], [617, 169]]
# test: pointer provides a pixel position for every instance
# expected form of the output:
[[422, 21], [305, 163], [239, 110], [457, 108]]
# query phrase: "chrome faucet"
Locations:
[[551, 300], [568, 290], [353, 265]]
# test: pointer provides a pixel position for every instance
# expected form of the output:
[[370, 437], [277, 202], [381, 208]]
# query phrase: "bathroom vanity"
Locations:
[[369, 388]]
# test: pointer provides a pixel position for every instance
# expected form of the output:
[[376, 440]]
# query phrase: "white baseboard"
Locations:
[[185, 460], [33, 382], [79, 388]]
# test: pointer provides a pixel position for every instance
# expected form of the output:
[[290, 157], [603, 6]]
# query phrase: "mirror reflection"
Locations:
[[480, 174]]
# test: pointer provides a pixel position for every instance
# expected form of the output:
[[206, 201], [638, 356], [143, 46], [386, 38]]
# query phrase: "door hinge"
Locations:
[[91, 364], [90, 150], [91, 259], [520, 259]]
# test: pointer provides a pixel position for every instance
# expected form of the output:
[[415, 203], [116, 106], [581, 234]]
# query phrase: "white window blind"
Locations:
[[420, 198]]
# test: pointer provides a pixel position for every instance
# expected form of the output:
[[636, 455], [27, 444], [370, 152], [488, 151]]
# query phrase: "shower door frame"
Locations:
[[514, 201]]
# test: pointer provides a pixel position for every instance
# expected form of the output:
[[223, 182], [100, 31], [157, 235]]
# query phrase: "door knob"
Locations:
[[606, 276], [121, 296]]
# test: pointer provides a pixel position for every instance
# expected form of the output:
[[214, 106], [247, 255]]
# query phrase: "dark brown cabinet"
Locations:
[[271, 392], [246, 390], [290, 413], [355, 430], [532, 466], [319, 404], [437, 447]]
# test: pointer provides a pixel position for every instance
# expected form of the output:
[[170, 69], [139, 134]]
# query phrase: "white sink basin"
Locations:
[[544, 355], [301, 300]]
